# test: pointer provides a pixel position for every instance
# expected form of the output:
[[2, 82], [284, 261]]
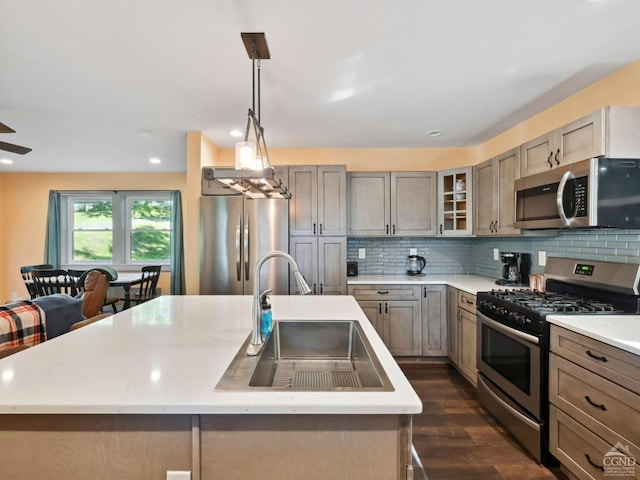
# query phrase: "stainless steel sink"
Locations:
[[309, 356]]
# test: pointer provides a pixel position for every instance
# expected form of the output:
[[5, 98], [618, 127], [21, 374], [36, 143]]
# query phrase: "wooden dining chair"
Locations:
[[89, 321], [77, 275], [25, 271], [148, 286], [50, 281]]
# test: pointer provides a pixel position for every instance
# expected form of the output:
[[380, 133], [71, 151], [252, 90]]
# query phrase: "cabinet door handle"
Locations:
[[425, 292], [320, 289], [593, 464], [549, 159], [495, 226], [597, 405], [491, 227], [314, 288], [440, 228], [320, 229], [596, 357], [386, 307], [314, 228], [380, 308], [387, 229], [556, 157], [394, 230]]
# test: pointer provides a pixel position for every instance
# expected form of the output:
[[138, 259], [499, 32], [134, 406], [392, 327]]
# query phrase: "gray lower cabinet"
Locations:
[[454, 321], [463, 332], [394, 311], [434, 320], [322, 262]]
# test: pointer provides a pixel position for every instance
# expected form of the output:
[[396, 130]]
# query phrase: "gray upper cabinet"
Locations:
[[319, 200], [494, 194], [391, 203], [610, 131], [455, 201], [413, 203]]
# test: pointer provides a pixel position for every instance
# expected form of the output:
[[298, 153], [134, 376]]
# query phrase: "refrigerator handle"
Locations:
[[238, 258], [246, 247]]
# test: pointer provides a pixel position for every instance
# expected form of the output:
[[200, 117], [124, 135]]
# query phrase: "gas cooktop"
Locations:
[[552, 302]]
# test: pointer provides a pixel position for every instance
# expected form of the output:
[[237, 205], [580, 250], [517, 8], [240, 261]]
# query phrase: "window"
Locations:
[[116, 228]]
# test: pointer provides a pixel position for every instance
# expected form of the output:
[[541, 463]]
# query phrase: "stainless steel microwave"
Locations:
[[599, 192]]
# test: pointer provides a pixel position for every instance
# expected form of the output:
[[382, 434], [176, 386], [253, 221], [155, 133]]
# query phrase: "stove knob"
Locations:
[[515, 316], [502, 311]]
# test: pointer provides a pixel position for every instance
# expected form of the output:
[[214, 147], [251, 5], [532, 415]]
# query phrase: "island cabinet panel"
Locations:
[[595, 406], [81, 447], [313, 447]]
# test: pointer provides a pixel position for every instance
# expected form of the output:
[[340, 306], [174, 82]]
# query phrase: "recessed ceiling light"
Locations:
[[155, 160], [435, 133], [235, 133], [6, 161]]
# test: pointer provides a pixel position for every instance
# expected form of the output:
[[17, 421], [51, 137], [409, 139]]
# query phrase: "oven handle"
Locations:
[[508, 331], [559, 201], [514, 412]]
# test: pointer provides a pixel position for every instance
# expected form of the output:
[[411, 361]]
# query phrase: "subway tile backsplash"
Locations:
[[388, 255]]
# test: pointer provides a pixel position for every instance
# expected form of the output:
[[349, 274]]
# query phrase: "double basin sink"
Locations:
[[327, 355]]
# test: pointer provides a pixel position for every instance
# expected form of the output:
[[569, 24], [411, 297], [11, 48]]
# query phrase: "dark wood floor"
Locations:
[[456, 439]]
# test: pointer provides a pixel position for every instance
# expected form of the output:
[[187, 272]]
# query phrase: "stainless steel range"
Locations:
[[513, 339]]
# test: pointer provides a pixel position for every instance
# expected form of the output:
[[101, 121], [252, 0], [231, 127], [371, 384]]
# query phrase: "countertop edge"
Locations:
[[619, 331]]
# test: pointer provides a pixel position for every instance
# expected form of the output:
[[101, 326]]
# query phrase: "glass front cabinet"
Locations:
[[455, 202]]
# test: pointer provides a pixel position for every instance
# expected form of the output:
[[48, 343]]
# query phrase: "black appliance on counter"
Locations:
[[352, 268], [513, 339], [516, 269]]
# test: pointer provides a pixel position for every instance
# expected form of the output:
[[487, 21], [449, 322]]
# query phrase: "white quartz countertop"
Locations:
[[469, 283], [167, 355], [621, 331]]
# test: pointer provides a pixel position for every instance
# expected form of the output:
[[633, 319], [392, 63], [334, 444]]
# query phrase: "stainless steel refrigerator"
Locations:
[[234, 232]]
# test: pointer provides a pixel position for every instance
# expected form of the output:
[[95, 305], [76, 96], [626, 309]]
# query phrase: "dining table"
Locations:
[[126, 280]]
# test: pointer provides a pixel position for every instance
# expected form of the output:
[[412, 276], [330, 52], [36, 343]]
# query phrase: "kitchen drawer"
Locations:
[[608, 409], [385, 292], [613, 363], [584, 453], [467, 301]]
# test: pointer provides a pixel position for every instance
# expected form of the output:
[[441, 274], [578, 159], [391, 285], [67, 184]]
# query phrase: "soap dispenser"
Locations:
[[266, 318]]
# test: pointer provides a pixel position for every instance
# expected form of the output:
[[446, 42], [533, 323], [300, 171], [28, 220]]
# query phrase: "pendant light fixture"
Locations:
[[253, 175]]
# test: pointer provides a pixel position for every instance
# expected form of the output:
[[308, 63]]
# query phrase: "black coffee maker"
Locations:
[[516, 268]]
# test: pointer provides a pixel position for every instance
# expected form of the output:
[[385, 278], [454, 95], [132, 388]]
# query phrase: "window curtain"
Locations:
[[178, 286], [52, 237]]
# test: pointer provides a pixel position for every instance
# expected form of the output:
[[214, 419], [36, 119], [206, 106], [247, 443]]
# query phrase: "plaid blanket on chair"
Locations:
[[21, 323]]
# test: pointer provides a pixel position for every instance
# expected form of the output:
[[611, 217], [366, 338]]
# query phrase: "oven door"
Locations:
[[511, 360]]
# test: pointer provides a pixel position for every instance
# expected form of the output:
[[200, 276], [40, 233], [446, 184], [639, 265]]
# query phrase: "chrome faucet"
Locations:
[[256, 344]]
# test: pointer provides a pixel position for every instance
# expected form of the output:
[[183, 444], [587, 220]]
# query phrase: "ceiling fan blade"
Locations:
[[5, 129], [9, 147]]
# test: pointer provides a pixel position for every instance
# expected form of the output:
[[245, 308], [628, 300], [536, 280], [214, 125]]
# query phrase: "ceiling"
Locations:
[[102, 86]]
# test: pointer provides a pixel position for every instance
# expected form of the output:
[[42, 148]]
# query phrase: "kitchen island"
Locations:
[[133, 396]]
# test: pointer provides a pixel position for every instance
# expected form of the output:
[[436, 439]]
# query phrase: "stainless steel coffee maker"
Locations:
[[516, 268]]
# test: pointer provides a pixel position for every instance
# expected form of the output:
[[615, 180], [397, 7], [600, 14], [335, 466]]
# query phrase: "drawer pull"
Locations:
[[597, 405], [386, 292], [599, 467], [468, 301], [602, 359]]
